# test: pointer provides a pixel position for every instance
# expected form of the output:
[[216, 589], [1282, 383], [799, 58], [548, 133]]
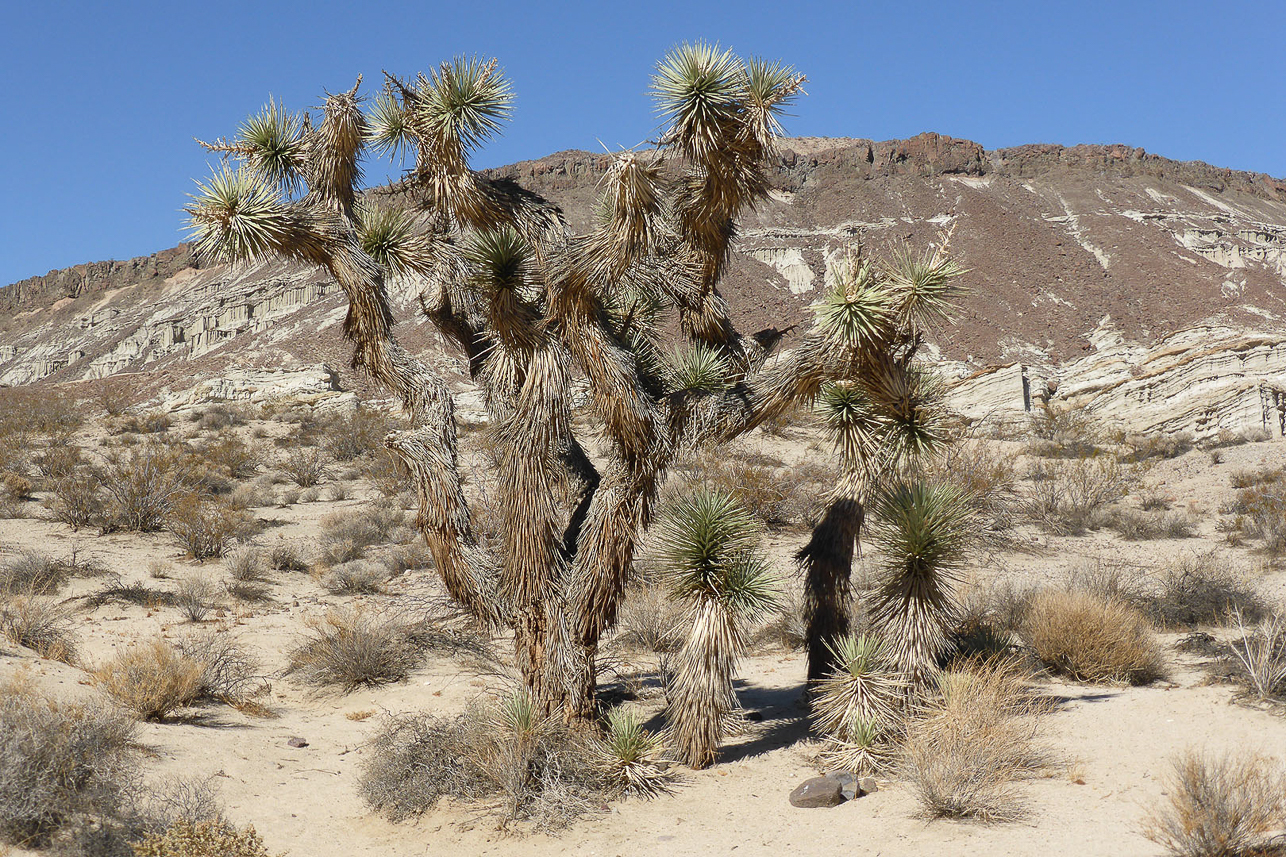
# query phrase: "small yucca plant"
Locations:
[[922, 531], [708, 543], [632, 758], [857, 706]]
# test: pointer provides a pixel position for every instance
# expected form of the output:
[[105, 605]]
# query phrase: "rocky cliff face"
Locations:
[[1098, 273]]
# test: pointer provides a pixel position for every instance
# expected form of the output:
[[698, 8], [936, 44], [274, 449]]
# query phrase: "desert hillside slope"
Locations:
[[1099, 273]]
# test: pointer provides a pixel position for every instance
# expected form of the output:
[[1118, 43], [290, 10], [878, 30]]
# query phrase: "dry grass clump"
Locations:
[[973, 743], [528, 767], [306, 467], [39, 624], [210, 838], [1219, 806], [632, 760], [118, 591], [1202, 590], [1091, 638], [1144, 526], [356, 577], [194, 596], [151, 679], [351, 648], [207, 526], [63, 766]]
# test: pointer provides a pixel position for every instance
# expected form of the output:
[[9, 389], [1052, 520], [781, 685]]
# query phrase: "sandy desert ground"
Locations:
[[1112, 743]]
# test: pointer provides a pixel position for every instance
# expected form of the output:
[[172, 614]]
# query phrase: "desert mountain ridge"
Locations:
[[1149, 289]]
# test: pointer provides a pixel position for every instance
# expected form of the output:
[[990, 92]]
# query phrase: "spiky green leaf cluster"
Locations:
[[709, 543], [236, 216], [859, 311], [390, 237], [272, 145], [633, 758], [926, 286], [924, 528], [466, 99], [499, 257], [699, 368], [388, 128]]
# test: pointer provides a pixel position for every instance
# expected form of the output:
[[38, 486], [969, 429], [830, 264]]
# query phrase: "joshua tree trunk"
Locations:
[[827, 561]]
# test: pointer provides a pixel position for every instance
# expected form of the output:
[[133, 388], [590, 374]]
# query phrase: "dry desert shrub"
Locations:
[[118, 591], [1065, 431], [210, 838], [1219, 806], [358, 433], [246, 564], [287, 558], [356, 577], [151, 679], [649, 620], [194, 596], [144, 486], [528, 767], [1259, 511], [1261, 652], [77, 500], [1091, 638], [231, 455], [1067, 495], [966, 753], [58, 460], [207, 526], [1202, 589], [1145, 526], [1145, 447], [349, 649], [229, 673], [62, 765], [306, 467], [39, 624], [986, 474], [32, 573], [347, 534]]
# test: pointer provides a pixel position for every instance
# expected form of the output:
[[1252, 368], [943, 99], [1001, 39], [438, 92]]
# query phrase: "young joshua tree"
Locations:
[[533, 307], [709, 545]]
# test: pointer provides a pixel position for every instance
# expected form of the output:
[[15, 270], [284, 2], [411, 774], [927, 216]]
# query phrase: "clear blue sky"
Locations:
[[101, 100]]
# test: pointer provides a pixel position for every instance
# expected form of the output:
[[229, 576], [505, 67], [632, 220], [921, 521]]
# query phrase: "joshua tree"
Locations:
[[709, 545], [533, 307]]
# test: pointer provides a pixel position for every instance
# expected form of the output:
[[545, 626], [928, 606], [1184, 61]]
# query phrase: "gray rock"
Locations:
[[848, 783], [818, 792], [867, 785], [297, 742]]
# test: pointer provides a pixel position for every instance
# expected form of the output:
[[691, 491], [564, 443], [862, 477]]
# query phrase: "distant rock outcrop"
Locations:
[[1186, 260]]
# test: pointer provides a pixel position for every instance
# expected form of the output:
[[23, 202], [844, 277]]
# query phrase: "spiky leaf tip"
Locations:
[[858, 311], [272, 142], [698, 89], [499, 258], [700, 368], [924, 528], [388, 129], [926, 286], [236, 216], [467, 99]]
